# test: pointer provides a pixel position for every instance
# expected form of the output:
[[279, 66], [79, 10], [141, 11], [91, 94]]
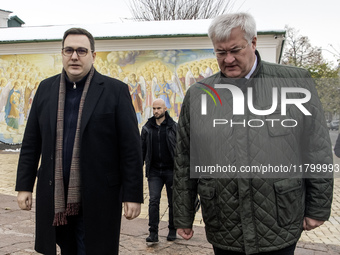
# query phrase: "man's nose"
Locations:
[[229, 58], [74, 55]]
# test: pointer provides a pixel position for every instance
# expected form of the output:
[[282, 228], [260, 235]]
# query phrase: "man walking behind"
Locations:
[[158, 143]]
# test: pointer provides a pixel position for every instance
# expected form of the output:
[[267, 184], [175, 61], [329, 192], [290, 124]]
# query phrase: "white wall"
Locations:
[[4, 18]]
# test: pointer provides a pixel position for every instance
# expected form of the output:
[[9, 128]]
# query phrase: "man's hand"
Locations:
[[131, 210], [309, 224], [24, 199], [186, 233]]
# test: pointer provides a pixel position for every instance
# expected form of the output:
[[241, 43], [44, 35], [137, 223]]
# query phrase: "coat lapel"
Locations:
[[54, 96], [93, 95]]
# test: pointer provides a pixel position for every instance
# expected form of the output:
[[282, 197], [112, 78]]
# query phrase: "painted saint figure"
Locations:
[[12, 108], [136, 96], [163, 91]]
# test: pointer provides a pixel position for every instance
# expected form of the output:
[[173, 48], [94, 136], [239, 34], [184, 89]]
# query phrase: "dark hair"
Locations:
[[78, 31]]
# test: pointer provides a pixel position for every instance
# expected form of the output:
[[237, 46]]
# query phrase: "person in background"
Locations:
[[337, 147], [158, 144]]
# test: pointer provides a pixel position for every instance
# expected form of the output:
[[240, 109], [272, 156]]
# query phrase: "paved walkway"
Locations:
[[17, 227]]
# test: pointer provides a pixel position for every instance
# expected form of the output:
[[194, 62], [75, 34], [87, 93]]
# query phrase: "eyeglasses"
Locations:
[[68, 51], [234, 52]]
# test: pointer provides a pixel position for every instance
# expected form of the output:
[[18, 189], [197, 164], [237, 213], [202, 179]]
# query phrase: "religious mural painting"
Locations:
[[149, 74]]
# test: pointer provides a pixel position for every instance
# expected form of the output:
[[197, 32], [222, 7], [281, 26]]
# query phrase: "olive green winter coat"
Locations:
[[257, 214]]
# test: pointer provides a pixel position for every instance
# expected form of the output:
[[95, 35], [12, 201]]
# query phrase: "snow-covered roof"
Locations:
[[119, 30], [1, 10], [17, 19]]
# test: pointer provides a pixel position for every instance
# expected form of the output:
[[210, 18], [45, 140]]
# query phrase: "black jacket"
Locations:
[[146, 136], [337, 147]]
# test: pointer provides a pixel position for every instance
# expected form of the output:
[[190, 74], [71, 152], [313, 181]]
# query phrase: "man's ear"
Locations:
[[253, 42], [94, 54]]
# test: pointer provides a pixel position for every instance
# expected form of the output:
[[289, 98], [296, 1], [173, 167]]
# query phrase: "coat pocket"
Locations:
[[277, 125], [289, 199], [104, 116], [113, 179], [208, 204]]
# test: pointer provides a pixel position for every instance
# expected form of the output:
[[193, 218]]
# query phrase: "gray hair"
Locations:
[[220, 28]]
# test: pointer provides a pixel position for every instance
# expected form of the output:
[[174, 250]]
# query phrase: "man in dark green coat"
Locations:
[[251, 155]]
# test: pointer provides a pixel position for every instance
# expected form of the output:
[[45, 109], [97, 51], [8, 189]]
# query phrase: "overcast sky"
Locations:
[[319, 20]]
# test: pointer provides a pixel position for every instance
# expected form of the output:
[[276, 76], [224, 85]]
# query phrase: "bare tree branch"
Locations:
[[299, 51], [147, 10]]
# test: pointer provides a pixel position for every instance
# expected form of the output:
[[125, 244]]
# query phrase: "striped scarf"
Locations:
[[74, 196]]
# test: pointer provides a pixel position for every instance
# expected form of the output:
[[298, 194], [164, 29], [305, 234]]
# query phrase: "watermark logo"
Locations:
[[239, 100], [204, 97], [239, 130], [281, 98]]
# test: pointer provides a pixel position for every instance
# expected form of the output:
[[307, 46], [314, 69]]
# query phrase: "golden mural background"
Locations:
[[165, 74]]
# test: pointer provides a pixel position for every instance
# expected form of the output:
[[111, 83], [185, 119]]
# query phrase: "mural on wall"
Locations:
[[149, 74]]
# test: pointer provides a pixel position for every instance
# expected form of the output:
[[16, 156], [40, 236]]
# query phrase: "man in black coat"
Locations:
[[158, 141], [337, 147], [83, 127]]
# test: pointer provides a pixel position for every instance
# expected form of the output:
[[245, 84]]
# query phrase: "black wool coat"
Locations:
[[110, 161]]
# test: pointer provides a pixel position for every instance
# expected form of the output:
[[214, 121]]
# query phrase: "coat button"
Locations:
[[50, 183]]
